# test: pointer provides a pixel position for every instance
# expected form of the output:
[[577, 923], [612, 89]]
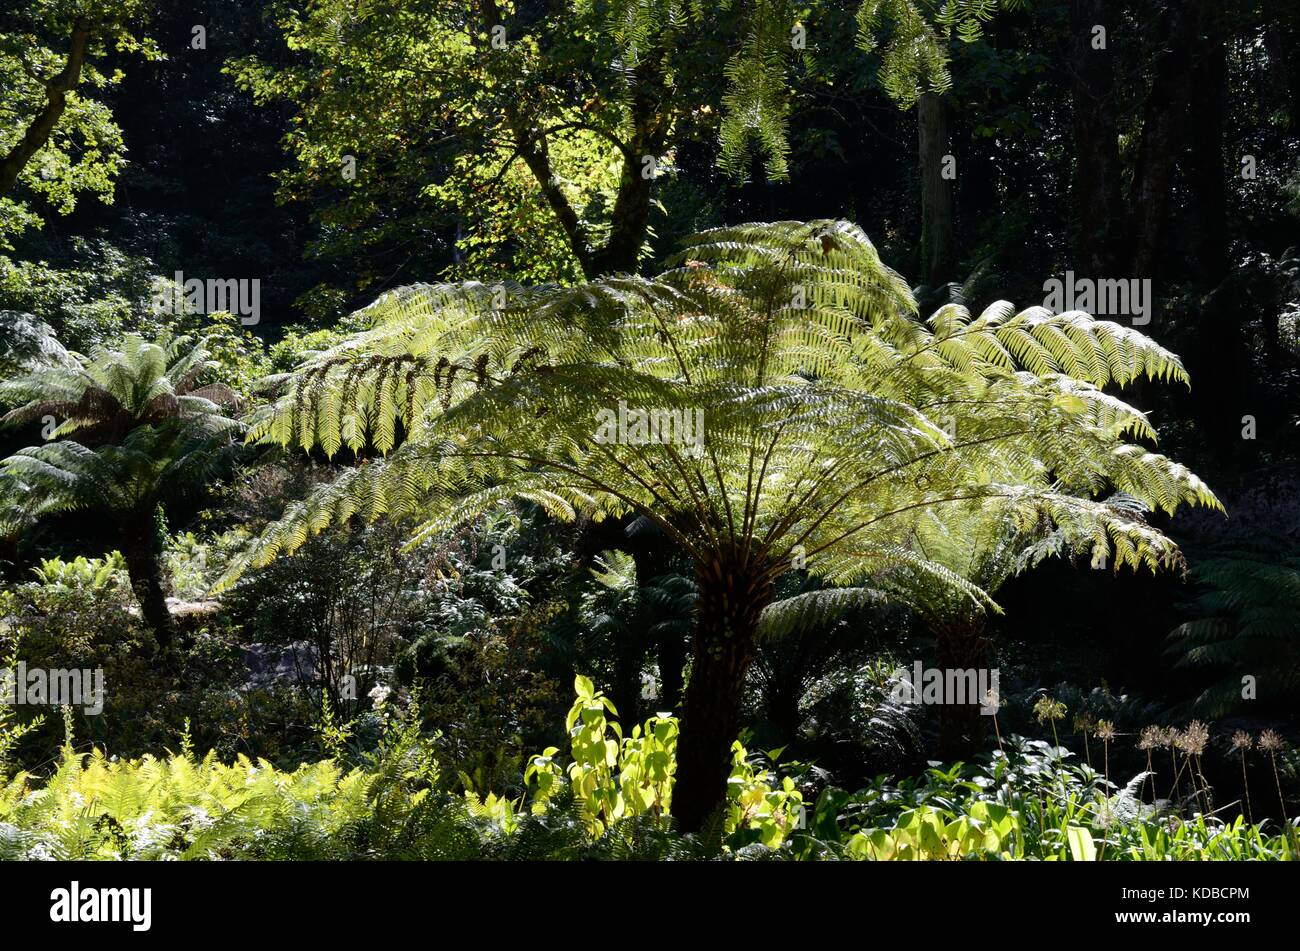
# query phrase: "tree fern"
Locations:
[[837, 424], [1244, 623], [132, 427]]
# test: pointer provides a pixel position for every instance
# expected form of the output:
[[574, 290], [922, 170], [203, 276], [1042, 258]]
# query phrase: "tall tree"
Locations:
[[452, 100], [446, 100], [1181, 60], [1098, 171], [936, 190], [916, 39], [1205, 162], [1163, 118]]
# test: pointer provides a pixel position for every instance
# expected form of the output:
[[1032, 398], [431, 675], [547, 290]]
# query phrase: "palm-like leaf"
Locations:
[[145, 428], [104, 395], [837, 423], [149, 464], [27, 343]]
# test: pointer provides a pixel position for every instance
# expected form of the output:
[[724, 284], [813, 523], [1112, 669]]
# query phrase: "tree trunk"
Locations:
[[630, 220], [1163, 115], [143, 559], [625, 691], [1221, 361], [1282, 42], [1217, 357], [1096, 137], [783, 710], [671, 651], [961, 646], [731, 598], [653, 552], [936, 191], [1206, 168]]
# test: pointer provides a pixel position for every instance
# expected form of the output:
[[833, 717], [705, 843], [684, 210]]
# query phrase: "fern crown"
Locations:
[[841, 431]]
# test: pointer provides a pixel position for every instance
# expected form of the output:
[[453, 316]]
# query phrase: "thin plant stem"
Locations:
[[1205, 788], [1281, 801], [1174, 790], [1246, 786], [1105, 746]]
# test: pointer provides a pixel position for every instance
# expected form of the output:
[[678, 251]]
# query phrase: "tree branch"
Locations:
[[531, 145], [42, 126]]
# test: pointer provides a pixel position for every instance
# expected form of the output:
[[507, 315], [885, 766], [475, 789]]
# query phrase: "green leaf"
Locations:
[[1082, 848]]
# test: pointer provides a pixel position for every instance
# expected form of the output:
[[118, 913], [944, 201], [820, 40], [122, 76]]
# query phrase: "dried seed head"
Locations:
[[1106, 730], [1085, 723], [1270, 742], [1151, 738], [1241, 740], [1192, 741]]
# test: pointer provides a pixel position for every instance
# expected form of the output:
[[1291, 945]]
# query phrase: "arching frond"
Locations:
[[772, 399], [135, 424], [815, 609], [1243, 623]]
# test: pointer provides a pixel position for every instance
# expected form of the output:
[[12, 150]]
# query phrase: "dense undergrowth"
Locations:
[[608, 798]]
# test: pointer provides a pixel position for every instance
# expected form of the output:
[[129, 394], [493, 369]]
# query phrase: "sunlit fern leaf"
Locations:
[[819, 420]]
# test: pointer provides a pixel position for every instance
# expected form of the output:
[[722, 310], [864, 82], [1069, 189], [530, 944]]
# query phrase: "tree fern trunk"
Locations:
[[961, 646], [143, 559], [652, 554], [625, 691], [671, 652], [731, 599], [782, 707]]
